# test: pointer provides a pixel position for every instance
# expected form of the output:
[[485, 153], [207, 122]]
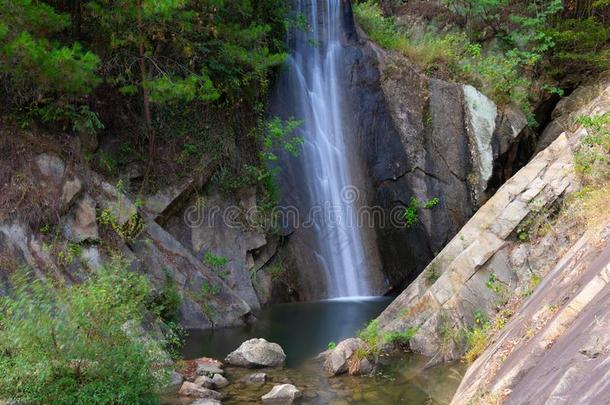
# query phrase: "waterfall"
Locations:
[[311, 90]]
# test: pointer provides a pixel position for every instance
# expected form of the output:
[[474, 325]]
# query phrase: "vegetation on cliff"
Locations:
[[170, 81], [512, 51]]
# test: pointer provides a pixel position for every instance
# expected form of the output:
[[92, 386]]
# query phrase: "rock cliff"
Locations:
[[423, 138], [62, 220], [491, 261]]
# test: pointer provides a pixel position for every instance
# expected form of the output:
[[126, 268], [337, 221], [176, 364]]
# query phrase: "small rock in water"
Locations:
[[193, 390], [281, 394], [256, 353], [206, 402], [205, 381], [208, 367], [365, 367], [220, 381], [256, 378]]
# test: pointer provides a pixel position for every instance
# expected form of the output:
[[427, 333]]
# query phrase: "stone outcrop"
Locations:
[[443, 300], [207, 300], [557, 347], [423, 138], [255, 353]]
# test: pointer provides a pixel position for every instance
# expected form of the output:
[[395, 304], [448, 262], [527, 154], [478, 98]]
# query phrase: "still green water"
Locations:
[[304, 330]]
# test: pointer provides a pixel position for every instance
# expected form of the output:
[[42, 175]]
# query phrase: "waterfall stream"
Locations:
[[312, 92]]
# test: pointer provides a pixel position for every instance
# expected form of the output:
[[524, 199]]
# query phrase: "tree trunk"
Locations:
[[145, 92]]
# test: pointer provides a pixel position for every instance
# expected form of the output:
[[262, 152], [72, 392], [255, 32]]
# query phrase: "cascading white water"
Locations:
[[317, 96]]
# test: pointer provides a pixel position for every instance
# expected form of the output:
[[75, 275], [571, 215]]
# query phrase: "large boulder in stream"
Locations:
[[255, 353]]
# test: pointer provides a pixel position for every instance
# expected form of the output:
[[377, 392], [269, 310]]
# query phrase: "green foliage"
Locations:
[[432, 273], [276, 270], [209, 289], [277, 135], [477, 337], [592, 161], [523, 40], [493, 283], [128, 231], [431, 203], [532, 284], [580, 44], [215, 261], [411, 213], [66, 256], [331, 345], [370, 335], [168, 301], [40, 71], [79, 345], [400, 338]]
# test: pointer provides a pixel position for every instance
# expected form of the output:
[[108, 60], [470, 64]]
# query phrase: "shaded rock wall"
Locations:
[[422, 138], [455, 284]]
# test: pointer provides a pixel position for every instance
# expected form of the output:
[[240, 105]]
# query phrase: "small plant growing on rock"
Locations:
[[215, 261], [331, 345], [411, 213], [209, 289], [400, 338], [432, 273], [477, 338]]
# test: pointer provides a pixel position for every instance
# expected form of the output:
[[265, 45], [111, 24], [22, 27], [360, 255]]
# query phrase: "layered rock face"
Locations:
[[557, 349], [487, 259], [167, 237], [422, 138]]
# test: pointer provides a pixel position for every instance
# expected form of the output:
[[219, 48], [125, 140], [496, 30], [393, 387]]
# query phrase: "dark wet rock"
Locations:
[[256, 353], [282, 394]]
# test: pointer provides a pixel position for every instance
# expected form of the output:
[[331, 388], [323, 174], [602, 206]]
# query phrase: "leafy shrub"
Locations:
[[215, 261], [477, 338], [522, 42], [432, 274], [370, 335], [411, 213], [592, 161], [79, 345], [401, 338]]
